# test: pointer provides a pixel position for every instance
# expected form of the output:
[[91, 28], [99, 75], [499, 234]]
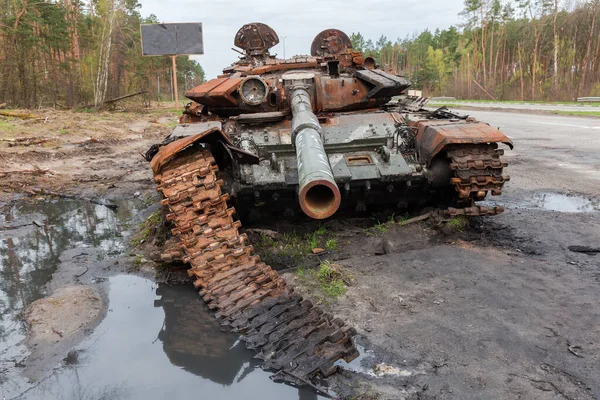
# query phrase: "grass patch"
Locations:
[[138, 260], [147, 228], [449, 105], [484, 101], [381, 227], [331, 244], [330, 279], [579, 113], [458, 222], [292, 248], [6, 127]]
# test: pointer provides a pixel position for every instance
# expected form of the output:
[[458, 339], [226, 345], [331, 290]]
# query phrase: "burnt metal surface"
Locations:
[[330, 42], [289, 333], [386, 85], [256, 38], [435, 135]]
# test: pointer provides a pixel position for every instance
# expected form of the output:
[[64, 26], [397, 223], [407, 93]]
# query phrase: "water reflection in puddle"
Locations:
[[161, 342], [156, 341], [33, 236], [564, 203], [553, 202]]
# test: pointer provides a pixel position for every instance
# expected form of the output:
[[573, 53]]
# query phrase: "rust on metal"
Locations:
[[256, 37], [289, 333], [478, 170], [169, 151], [330, 42], [434, 135], [216, 92], [282, 67]]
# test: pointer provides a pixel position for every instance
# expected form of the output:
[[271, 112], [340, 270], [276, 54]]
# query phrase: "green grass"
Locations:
[[381, 227], [6, 127], [449, 105], [328, 278], [138, 260], [579, 113], [458, 222], [331, 244], [147, 227], [513, 102]]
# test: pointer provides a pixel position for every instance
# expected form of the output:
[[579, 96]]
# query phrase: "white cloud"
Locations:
[[300, 21]]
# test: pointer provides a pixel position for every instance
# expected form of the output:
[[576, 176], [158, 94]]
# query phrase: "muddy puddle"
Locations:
[[549, 201], [156, 341], [35, 238]]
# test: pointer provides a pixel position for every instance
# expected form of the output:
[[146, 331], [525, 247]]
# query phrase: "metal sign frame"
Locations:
[[164, 39]]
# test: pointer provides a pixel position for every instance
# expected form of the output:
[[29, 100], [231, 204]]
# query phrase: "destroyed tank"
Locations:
[[320, 133], [314, 135]]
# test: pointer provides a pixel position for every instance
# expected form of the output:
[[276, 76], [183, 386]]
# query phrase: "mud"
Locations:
[[55, 323], [55, 257], [489, 308], [158, 341]]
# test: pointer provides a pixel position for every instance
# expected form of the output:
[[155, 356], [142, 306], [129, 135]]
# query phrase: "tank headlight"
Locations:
[[253, 90]]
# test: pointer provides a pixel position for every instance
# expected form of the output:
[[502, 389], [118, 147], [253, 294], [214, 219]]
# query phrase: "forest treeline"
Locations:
[[69, 53], [509, 50]]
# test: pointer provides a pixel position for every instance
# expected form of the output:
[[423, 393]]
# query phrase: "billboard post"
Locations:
[[174, 66], [173, 39]]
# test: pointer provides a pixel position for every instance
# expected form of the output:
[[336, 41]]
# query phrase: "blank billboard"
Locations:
[[172, 39]]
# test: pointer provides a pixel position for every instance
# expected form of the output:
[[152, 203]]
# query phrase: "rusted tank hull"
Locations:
[[435, 136]]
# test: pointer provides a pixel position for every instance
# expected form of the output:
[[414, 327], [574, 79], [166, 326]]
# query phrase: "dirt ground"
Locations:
[[87, 153], [495, 308]]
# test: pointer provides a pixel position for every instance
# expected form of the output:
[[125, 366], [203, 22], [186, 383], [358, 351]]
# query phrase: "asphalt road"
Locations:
[[502, 308], [551, 152], [528, 106]]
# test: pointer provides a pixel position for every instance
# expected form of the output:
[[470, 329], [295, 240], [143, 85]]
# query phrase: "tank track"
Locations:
[[292, 336], [477, 170]]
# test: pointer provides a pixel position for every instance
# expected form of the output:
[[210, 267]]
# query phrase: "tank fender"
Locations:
[[214, 137], [433, 136]]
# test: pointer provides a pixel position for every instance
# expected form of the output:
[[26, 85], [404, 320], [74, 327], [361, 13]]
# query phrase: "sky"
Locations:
[[300, 21]]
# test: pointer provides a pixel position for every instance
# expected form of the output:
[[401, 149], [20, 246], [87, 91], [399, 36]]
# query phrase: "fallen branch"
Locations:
[[585, 249], [87, 141], [100, 202], [19, 115], [35, 171], [481, 87], [27, 141], [416, 219], [82, 274], [118, 98]]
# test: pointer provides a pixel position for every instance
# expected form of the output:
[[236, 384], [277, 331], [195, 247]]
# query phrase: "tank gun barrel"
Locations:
[[318, 194]]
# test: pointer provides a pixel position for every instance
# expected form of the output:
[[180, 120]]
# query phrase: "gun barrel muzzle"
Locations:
[[319, 195]]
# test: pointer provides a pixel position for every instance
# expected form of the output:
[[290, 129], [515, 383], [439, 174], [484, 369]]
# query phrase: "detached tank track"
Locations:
[[477, 168], [289, 333]]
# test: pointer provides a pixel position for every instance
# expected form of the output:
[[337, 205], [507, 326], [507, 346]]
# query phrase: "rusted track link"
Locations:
[[477, 170], [288, 332]]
